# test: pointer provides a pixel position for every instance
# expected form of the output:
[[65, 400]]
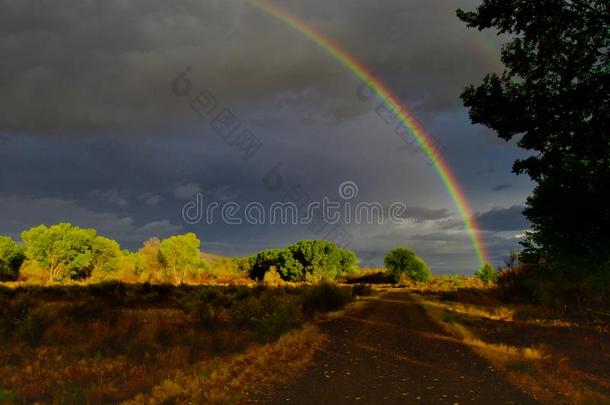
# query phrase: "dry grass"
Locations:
[[443, 284], [114, 342], [232, 379], [538, 369]]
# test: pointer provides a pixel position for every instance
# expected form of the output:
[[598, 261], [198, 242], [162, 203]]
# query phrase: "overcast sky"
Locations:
[[94, 128]]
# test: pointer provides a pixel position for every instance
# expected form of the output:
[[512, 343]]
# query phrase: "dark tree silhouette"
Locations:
[[554, 98]]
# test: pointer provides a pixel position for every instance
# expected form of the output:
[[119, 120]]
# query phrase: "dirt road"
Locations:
[[388, 352]]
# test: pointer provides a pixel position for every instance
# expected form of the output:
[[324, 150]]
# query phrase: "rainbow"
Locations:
[[406, 118]]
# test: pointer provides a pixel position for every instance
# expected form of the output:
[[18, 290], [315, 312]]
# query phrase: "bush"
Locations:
[[565, 287], [32, 273], [307, 260], [325, 297], [404, 262], [272, 325], [203, 307], [517, 283], [272, 277], [487, 274]]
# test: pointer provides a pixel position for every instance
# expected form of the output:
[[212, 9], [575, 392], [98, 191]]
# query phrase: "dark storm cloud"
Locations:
[[503, 219], [21, 213], [102, 70], [109, 64], [423, 214], [501, 187]]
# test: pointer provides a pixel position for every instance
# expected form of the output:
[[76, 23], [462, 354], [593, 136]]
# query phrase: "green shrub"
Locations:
[[487, 274], [403, 262], [307, 260], [262, 262]]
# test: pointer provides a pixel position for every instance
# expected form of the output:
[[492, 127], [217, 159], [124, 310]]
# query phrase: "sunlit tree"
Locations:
[[11, 257], [181, 255], [105, 253], [151, 263], [402, 262], [62, 250]]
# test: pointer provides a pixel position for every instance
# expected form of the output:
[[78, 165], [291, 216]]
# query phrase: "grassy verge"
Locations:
[[240, 376], [552, 359]]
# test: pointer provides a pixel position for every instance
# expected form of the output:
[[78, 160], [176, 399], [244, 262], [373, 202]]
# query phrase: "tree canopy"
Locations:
[[181, 255], [403, 262], [11, 257], [62, 250], [105, 253], [554, 99], [67, 252], [307, 260]]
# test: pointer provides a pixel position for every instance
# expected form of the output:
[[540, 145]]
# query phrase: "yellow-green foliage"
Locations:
[[67, 254], [487, 273], [222, 270], [272, 277], [403, 264]]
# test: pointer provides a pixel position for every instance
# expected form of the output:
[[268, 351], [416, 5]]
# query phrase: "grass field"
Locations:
[[113, 342]]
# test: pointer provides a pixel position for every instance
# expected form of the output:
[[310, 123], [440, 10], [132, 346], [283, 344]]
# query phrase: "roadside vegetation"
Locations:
[[84, 321], [112, 342], [548, 345], [555, 355]]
